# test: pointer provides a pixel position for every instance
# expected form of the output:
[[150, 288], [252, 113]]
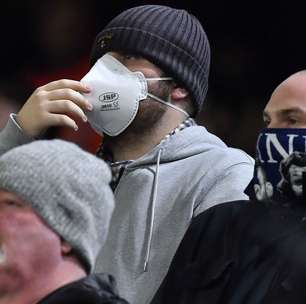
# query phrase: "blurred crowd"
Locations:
[[253, 48]]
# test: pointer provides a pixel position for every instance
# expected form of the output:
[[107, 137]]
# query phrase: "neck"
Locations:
[[40, 286], [130, 146]]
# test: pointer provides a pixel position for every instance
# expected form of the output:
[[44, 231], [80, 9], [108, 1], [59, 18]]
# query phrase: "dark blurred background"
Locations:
[[255, 45]]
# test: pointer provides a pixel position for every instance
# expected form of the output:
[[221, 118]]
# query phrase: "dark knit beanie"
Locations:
[[172, 39], [67, 187]]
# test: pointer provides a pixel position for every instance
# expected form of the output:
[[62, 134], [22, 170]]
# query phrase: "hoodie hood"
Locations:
[[180, 146]]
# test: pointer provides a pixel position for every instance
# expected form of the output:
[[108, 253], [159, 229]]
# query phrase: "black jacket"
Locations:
[[94, 289], [240, 253]]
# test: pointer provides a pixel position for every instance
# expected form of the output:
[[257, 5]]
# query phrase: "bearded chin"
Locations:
[[150, 111], [149, 115]]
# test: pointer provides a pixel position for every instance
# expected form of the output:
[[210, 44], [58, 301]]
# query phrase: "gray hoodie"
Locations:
[[12, 136], [156, 198]]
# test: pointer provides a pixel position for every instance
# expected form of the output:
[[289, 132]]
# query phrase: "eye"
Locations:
[[12, 203], [292, 120], [130, 56]]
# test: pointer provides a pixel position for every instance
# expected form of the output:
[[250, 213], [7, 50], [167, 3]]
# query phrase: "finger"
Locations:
[[61, 120], [69, 94], [65, 107], [66, 83]]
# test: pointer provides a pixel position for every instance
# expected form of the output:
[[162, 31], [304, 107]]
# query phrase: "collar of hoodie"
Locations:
[[119, 166]]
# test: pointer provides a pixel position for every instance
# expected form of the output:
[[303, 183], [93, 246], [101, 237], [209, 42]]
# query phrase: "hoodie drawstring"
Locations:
[[155, 184]]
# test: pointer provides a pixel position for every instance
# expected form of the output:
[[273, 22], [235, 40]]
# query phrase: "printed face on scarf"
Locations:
[[296, 178], [292, 170], [28, 248]]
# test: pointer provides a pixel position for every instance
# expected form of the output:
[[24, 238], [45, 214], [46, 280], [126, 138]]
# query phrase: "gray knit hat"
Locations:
[[172, 39], [67, 187]]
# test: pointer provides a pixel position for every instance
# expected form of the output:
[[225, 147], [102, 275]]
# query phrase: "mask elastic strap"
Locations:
[[169, 104], [159, 78]]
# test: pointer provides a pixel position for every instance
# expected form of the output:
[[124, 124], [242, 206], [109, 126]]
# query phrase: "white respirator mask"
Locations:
[[115, 95]]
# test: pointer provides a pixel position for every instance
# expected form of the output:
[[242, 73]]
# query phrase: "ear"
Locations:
[[65, 248], [178, 94]]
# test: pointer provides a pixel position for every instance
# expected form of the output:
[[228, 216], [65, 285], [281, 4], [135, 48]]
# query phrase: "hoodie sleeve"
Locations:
[[228, 186], [12, 136]]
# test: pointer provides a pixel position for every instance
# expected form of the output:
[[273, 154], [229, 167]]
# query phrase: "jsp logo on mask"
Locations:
[[109, 101], [110, 79]]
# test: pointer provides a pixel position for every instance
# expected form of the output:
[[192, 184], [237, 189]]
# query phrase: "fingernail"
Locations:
[[84, 118], [76, 128], [87, 88], [89, 106]]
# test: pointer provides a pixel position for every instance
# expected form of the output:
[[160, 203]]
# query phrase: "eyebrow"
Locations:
[[284, 112]]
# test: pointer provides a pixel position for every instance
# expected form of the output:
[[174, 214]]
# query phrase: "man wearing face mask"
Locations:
[[257, 249], [149, 78]]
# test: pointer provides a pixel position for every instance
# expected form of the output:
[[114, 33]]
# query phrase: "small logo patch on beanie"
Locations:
[[105, 40]]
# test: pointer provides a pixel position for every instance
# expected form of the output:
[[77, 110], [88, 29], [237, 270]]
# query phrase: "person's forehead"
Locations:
[[4, 194], [291, 94], [137, 59], [119, 54], [22, 207]]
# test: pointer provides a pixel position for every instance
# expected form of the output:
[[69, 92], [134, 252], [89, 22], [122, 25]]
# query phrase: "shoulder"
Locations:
[[213, 145]]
